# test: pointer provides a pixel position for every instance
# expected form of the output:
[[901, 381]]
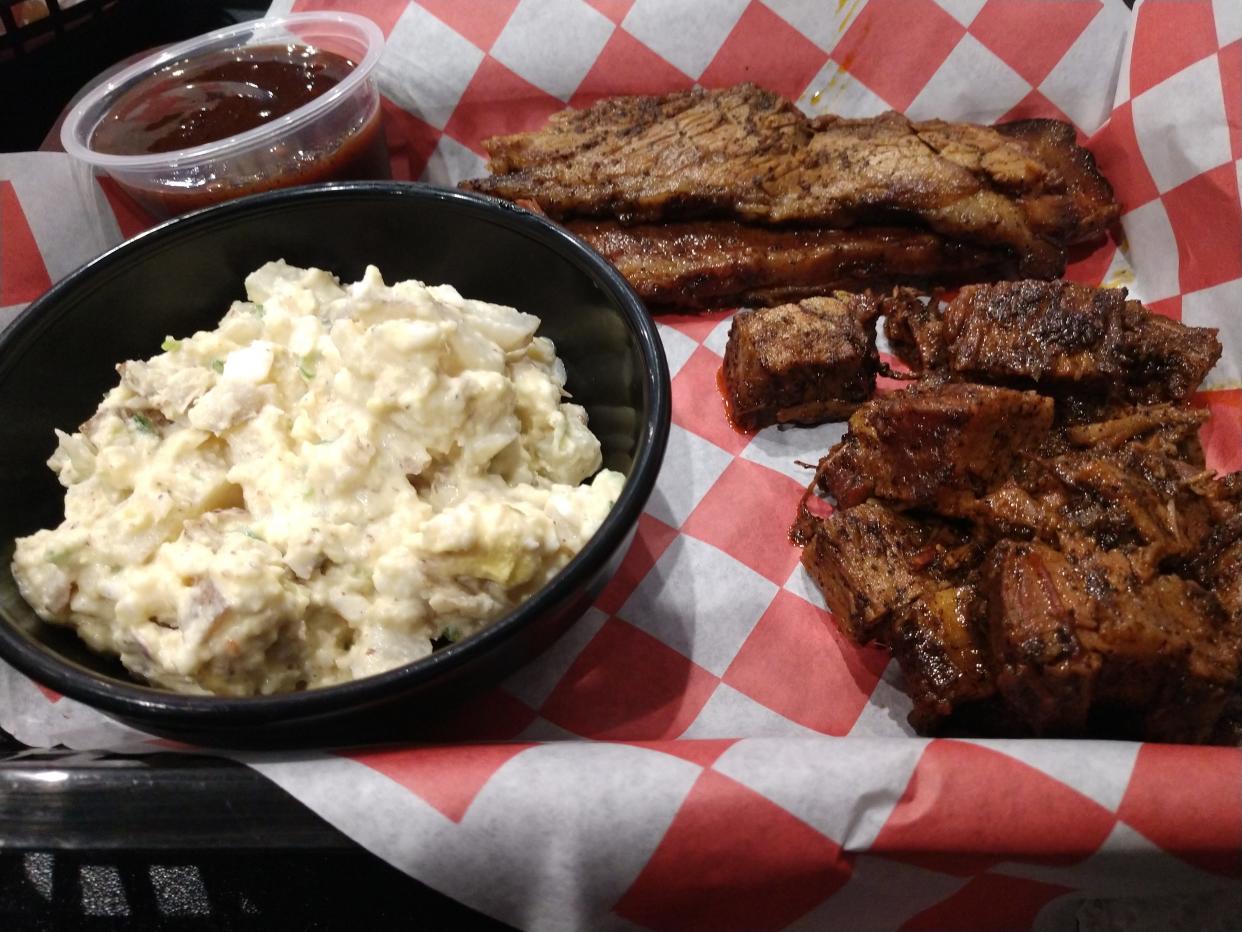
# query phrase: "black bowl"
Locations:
[[58, 359]]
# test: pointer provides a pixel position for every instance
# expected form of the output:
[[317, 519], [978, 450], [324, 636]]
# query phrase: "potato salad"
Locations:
[[329, 484]]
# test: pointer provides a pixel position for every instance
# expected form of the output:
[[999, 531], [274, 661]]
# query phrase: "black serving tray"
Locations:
[[85, 800], [186, 841]]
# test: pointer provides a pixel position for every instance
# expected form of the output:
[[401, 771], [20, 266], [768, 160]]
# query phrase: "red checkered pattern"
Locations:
[[703, 749], [23, 277]]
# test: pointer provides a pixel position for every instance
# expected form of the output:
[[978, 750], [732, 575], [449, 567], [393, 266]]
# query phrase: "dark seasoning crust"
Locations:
[[1030, 528], [1047, 554], [1063, 337], [723, 263], [806, 362], [705, 198]]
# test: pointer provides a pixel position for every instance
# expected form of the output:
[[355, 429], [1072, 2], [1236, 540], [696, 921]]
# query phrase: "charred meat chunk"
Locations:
[[934, 444], [1065, 338], [1170, 659], [1083, 642], [802, 363], [1164, 359], [1036, 605], [1035, 578], [1055, 335], [889, 577], [940, 642], [866, 562]]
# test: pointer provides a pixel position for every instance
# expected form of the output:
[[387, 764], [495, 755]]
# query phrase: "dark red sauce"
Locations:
[[190, 103], [209, 98]]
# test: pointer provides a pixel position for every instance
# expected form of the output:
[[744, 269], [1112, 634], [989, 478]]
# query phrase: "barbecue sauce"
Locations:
[[218, 95], [723, 388]]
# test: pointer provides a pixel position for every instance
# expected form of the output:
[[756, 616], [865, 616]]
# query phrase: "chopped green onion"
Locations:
[[452, 635], [259, 311], [170, 344], [143, 423], [307, 365], [60, 556], [218, 365], [251, 534]]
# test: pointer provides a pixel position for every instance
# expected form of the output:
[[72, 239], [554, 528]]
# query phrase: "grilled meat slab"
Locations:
[[802, 363], [938, 445], [1059, 337], [746, 154], [723, 263]]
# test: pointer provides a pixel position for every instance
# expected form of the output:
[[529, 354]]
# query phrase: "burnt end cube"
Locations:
[[1036, 607], [1056, 335], [934, 444], [1070, 339], [1163, 359], [802, 363], [1169, 659], [859, 560], [939, 642], [1085, 645]]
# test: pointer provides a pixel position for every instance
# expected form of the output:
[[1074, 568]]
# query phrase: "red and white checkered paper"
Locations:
[[703, 750]]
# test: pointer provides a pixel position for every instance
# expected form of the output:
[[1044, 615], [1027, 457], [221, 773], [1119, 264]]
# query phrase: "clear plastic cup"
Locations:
[[337, 135]]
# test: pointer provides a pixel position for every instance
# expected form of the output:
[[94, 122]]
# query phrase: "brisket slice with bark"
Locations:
[[724, 263], [749, 155]]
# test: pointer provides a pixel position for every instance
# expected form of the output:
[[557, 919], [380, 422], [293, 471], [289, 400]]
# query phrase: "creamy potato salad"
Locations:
[[320, 488]]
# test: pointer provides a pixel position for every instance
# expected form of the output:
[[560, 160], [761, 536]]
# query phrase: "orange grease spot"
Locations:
[[723, 388]]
